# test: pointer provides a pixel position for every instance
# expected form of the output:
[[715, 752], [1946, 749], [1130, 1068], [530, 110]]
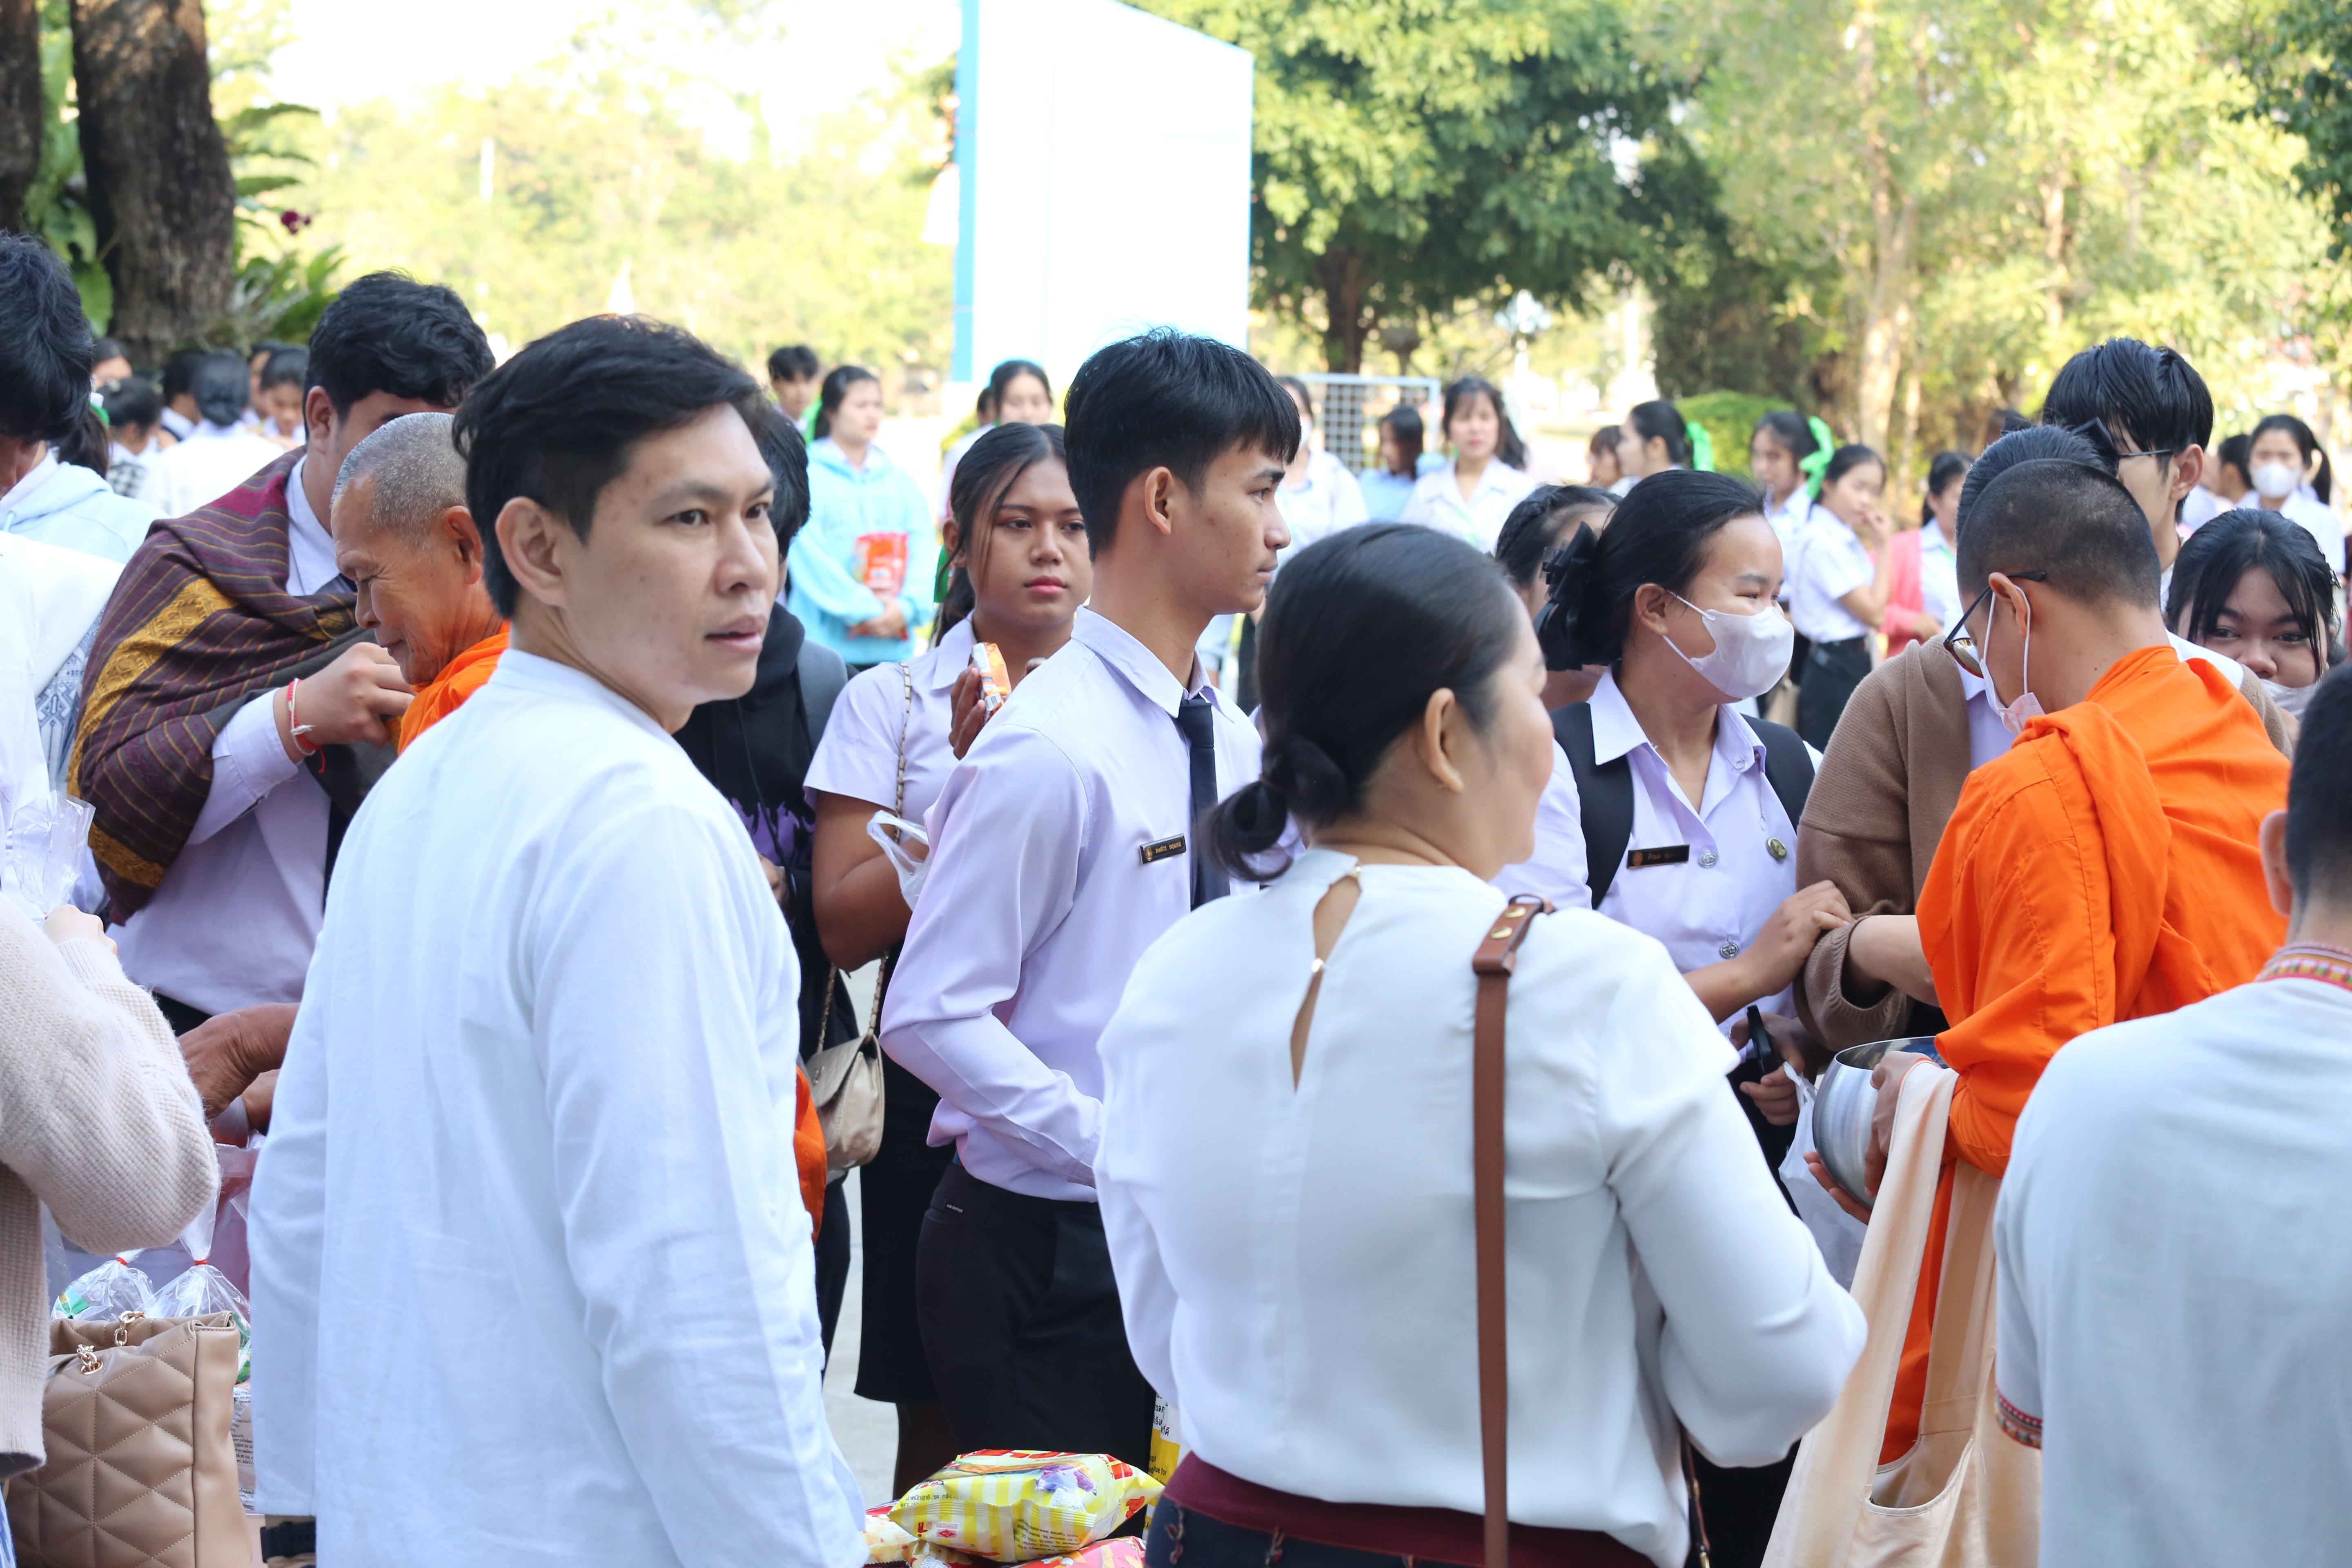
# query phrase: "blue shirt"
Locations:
[[67, 505], [828, 591]]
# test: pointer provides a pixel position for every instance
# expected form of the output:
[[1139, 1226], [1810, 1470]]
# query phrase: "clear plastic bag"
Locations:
[[909, 848], [44, 842], [109, 1291]]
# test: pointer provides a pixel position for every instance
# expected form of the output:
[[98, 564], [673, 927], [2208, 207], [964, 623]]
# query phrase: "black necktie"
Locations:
[[1196, 717]]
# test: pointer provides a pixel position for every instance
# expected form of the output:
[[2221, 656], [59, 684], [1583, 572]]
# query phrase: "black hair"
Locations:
[[2151, 396], [829, 397], [387, 332], [793, 362], [2237, 452], [559, 422], [1510, 449], [180, 373], [1657, 535], [44, 351], [88, 445], [1658, 420], [1789, 428], [1361, 629], [223, 387], [132, 403], [983, 476], [2211, 561], [1947, 469], [778, 436], [284, 366], [2320, 797], [1404, 427], [1846, 460], [1297, 389], [1608, 438], [2032, 444], [2308, 443], [2069, 519], [1170, 400], [990, 402], [1538, 522], [102, 349]]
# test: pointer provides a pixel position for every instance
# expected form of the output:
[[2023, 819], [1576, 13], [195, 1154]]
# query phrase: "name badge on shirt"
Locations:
[[1663, 855], [1163, 849]]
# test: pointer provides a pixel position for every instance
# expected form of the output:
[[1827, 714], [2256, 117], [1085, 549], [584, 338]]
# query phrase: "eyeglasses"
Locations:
[[2161, 453], [1962, 647]]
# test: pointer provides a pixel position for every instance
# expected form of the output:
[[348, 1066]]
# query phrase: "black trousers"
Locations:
[[894, 1194], [1831, 672], [1022, 1326], [1739, 1507], [832, 1263]]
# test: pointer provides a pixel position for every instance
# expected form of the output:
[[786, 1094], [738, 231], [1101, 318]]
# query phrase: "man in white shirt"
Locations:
[[2174, 1274], [1062, 850], [216, 455], [532, 1280]]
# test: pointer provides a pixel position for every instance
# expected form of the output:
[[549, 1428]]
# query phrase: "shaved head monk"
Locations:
[[405, 540], [2105, 867]]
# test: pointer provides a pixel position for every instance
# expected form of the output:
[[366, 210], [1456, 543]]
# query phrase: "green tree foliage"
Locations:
[[2299, 57], [1415, 154]]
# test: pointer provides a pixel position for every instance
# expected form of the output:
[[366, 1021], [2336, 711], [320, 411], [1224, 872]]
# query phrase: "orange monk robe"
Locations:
[[460, 679], [444, 695], [2104, 869]]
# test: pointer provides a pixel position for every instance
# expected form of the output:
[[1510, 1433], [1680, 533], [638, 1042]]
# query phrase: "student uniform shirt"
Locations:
[[872, 723], [1326, 501], [1939, 575], [1831, 563], [1437, 501], [2308, 512], [1556, 871], [1061, 848]]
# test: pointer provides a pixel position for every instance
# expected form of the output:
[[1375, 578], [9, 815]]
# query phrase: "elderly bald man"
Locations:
[[404, 537]]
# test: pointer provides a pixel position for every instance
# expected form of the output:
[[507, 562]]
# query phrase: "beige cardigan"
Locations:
[[99, 1121], [1884, 790]]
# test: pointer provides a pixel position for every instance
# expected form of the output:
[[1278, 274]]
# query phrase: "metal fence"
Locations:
[[1347, 407]]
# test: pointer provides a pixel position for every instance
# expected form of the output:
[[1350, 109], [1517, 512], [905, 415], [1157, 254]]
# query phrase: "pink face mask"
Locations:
[[2013, 715]]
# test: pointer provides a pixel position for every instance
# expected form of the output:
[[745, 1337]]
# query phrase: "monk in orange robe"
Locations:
[[2107, 867]]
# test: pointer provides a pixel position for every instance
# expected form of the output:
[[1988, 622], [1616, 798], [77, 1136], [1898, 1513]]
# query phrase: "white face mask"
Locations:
[[1751, 652], [2013, 715], [2291, 699], [2275, 481]]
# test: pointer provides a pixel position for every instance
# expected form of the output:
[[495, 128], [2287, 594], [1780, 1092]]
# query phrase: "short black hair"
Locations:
[[558, 422], [2237, 452], [284, 366], [104, 349], [180, 372], [2075, 523], [778, 436], [1539, 521], [224, 387], [793, 362], [2029, 443], [1658, 420], [132, 403], [2320, 797], [1170, 400], [45, 348], [388, 332], [2217, 556], [2151, 396], [1846, 460]]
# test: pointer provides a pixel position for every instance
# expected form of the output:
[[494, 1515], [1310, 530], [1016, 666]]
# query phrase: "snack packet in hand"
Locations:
[[1018, 1505]]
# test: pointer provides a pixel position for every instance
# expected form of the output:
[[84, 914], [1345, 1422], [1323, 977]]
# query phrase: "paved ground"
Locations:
[[868, 1432]]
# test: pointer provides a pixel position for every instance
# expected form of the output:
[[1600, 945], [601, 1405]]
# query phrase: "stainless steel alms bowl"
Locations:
[[1842, 1106]]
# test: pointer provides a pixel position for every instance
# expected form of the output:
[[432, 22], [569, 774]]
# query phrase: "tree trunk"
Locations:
[[1346, 322], [1888, 307], [2053, 254], [160, 188], [22, 113]]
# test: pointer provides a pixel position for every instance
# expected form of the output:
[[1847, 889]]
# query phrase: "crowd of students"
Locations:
[[494, 790]]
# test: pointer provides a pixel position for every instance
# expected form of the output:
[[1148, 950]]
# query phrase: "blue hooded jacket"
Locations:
[[827, 595], [72, 507]]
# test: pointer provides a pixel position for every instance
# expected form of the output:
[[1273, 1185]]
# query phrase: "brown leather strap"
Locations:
[[1497, 955]]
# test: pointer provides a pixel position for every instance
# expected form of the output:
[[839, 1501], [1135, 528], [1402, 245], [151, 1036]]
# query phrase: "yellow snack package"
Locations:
[[1018, 1505]]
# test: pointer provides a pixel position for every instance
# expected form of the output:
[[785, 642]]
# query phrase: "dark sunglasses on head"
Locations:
[[1962, 647]]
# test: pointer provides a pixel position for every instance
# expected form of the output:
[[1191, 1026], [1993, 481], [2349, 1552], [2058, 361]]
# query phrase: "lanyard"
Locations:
[[2310, 961]]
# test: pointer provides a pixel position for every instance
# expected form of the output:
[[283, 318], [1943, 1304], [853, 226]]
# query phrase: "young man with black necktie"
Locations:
[[1062, 850]]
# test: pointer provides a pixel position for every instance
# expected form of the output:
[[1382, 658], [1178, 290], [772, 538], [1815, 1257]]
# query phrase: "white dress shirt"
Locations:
[[1788, 520], [1296, 1262], [1939, 575], [2175, 1282], [1437, 501], [857, 755], [1831, 563], [2311, 515], [1555, 870], [208, 462], [234, 921], [1326, 499], [532, 1281], [1039, 900]]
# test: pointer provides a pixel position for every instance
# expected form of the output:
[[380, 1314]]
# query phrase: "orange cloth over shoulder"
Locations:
[[2104, 869], [446, 693]]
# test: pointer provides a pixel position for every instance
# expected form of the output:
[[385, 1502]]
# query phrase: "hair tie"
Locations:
[[1815, 464], [1702, 445], [1565, 571]]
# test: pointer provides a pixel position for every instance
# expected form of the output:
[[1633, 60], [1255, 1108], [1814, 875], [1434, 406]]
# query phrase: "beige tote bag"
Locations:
[[1966, 1496]]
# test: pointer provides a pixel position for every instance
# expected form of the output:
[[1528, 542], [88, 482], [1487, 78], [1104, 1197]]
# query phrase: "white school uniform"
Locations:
[[1788, 520], [1327, 500], [1051, 870], [858, 756], [1939, 575], [531, 1275], [209, 461], [2308, 512], [1556, 871], [1294, 1261], [1831, 563], [1437, 502]]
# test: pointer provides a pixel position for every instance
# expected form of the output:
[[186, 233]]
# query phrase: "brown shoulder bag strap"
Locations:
[[1497, 955]]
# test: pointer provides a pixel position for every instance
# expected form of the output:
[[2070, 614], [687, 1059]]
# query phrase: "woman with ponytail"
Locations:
[[1471, 495], [1787, 454], [2290, 472], [1287, 1080], [1658, 438], [1841, 584]]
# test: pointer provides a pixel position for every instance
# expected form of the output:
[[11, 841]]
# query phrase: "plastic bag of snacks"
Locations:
[[1127, 1551], [1018, 1505], [109, 1291]]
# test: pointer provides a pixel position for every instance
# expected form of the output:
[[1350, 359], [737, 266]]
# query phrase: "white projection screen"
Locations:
[[1103, 161]]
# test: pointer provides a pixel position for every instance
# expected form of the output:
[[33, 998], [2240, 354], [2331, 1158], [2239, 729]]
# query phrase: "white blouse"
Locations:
[[857, 755], [1437, 501], [1296, 1263]]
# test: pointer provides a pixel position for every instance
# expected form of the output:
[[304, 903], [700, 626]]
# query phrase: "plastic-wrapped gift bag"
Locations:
[[109, 1291]]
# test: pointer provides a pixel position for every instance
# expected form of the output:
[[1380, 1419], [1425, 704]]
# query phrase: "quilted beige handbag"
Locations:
[[141, 1472], [1966, 1496]]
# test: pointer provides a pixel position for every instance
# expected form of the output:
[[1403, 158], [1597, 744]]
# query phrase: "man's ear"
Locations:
[[458, 532], [531, 539], [317, 416], [2188, 470], [1159, 489], [2275, 878]]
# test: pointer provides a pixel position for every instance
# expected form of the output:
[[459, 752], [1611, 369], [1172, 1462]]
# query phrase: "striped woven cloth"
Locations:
[[200, 623]]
